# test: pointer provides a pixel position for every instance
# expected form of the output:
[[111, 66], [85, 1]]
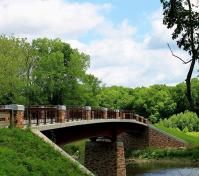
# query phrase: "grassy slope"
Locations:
[[22, 154], [192, 140]]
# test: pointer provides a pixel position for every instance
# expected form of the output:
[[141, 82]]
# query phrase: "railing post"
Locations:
[[61, 113], [41, 116], [17, 117], [123, 115], [88, 112], [117, 113], [104, 113]]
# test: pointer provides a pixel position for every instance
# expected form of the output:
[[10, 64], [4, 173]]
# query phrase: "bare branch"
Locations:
[[178, 56]]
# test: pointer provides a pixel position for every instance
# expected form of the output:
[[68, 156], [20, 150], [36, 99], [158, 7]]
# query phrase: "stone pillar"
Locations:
[[104, 113], [136, 117], [88, 112], [117, 113], [121, 165], [17, 117], [105, 158], [61, 114]]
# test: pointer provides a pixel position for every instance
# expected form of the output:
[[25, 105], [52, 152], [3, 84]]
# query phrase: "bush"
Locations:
[[187, 121]]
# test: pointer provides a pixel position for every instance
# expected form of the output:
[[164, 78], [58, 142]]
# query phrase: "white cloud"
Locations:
[[121, 60], [49, 18], [116, 57]]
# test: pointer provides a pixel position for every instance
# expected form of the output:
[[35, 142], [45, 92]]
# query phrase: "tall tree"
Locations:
[[183, 17], [12, 59]]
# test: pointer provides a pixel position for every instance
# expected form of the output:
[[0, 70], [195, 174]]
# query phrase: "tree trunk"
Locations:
[[188, 85]]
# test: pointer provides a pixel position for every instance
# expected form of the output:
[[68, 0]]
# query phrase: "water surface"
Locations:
[[163, 169]]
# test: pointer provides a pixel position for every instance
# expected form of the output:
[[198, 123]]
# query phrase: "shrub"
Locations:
[[187, 121]]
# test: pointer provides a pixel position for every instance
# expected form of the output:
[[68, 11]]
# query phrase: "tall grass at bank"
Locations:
[[24, 154], [76, 149], [191, 153]]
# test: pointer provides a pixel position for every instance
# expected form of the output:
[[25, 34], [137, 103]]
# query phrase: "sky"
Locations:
[[126, 40]]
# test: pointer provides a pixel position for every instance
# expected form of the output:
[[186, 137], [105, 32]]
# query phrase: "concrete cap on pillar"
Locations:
[[116, 110], [104, 109], [15, 107], [61, 107], [88, 108]]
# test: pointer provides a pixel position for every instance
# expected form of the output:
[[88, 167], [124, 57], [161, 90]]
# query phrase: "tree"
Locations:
[[115, 97], [59, 76], [154, 102], [12, 67], [183, 18]]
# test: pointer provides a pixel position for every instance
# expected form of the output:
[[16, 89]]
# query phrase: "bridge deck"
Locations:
[[44, 127]]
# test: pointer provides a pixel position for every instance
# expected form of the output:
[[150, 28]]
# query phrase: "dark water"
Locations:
[[163, 169]]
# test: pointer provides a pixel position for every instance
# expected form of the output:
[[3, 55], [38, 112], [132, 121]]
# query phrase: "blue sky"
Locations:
[[126, 40], [136, 12]]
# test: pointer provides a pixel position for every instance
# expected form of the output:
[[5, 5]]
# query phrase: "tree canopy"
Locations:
[[44, 71], [182, 16]]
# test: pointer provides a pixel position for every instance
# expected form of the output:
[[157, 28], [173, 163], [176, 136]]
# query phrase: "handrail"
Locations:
[[36, 115]]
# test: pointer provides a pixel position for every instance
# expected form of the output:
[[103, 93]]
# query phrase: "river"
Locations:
[[163, 169]]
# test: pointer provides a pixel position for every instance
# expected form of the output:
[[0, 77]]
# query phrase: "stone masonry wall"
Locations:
[[159, 139], [150, 137], [105, 159], [134, 140]]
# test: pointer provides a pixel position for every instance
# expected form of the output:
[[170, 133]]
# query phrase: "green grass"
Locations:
[[191, 153], [24, 154], [191, 140], [76, 149]]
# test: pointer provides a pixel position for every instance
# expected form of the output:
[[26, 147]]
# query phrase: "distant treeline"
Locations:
[[154, 102], [50, 72]]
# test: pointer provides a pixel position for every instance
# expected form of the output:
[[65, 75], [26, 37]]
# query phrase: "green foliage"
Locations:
[[12, 59], [196, 134], [155, 102], [150, 153], [45, 72], [76, 149], [187, 121], [115, 97], [22, 154]]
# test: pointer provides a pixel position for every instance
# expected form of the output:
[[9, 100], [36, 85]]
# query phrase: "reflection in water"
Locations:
[[162, 169]]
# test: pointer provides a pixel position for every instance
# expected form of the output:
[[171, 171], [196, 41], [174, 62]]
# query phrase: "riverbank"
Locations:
[[162, 161], [189, 153]]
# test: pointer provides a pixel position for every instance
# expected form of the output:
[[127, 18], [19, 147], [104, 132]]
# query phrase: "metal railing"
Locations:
[[40, 115], [36, 115]]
